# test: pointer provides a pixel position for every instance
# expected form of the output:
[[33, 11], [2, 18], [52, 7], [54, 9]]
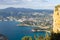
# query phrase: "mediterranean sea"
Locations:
[[13, 32]]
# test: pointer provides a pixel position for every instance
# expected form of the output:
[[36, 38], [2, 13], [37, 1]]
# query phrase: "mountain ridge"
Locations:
[[22, 12], [11, 9]]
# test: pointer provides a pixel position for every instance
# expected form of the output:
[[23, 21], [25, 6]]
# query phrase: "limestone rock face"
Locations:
[[56, 19]]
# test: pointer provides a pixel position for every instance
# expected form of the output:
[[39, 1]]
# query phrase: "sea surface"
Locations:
[[14, 32]]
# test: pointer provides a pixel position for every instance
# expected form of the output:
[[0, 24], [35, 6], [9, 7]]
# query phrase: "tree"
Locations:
[[47, 37], [27, 38]]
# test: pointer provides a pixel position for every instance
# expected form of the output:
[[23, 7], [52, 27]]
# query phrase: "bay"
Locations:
[[13, 32]]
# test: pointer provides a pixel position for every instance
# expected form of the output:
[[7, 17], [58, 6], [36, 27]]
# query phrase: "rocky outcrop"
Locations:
[[3, 37], [56, 19]]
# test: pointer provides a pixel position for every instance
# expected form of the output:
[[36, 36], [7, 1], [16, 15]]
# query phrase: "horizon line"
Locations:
[[28, 8]]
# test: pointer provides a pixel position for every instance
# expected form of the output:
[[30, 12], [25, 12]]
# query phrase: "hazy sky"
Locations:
[[34, 4]]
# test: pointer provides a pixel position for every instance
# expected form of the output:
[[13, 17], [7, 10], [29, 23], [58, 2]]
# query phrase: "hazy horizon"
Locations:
[[27, 8], [33, 4]]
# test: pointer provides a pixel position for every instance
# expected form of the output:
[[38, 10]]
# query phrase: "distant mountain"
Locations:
[[25, 10], [22, 11]]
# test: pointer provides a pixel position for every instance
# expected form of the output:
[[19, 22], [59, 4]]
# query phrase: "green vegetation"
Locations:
[[47, 37], [55, 36], [27, 38]]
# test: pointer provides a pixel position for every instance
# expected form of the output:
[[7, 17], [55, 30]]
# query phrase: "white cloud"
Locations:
[[29, 0], [26, 0], [30, 3]]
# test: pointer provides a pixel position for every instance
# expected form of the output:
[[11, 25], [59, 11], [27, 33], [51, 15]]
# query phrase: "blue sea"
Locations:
[[13, 32]]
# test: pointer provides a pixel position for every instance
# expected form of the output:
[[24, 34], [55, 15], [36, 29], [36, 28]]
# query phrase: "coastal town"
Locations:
[[43, 19], [29, 19]]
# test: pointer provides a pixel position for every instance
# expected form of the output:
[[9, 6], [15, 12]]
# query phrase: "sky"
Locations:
[[33, 4]]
